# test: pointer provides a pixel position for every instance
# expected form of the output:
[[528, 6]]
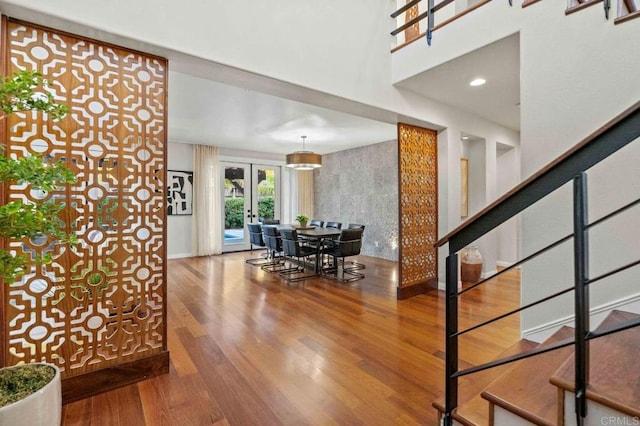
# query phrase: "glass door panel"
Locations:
[[237, 201], [251, 194], [265, 192]]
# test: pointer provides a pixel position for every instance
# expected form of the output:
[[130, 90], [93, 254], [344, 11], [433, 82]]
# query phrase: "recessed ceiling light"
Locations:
[[465, 137], [477, 82]]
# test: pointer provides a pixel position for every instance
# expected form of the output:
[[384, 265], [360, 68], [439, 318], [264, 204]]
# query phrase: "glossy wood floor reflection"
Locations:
[[249, 349]]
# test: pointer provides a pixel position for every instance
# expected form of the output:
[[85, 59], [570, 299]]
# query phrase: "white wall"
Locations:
[[179, 157], [577, 72], [507, 176]]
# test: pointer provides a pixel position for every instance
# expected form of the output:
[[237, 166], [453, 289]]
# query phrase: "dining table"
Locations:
[[316, 233]]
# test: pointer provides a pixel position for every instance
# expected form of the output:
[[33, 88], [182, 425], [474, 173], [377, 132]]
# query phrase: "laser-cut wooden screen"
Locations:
[[418, 218], [102, 303]]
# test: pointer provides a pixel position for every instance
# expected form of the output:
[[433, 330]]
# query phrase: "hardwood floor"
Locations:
[[249, 349]]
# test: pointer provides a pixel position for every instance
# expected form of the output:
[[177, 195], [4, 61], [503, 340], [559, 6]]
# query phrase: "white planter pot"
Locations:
[[41, 408]]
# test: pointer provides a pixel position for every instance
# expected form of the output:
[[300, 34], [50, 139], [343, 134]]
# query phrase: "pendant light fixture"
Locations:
[[304, 160]]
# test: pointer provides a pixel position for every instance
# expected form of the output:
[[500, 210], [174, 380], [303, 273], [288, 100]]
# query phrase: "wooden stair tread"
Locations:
[[614, 373], [472, 409], [525, 389]]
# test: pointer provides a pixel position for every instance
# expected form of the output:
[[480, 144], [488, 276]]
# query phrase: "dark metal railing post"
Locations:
[[430, 20], [451, 339], [581, 271]]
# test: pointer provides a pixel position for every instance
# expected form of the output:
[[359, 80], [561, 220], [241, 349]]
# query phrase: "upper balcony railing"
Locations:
[[416, 19], [420, 18]]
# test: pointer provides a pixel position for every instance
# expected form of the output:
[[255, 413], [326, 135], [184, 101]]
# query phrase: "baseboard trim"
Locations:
[[504, 264], [416, 289], [179, 255], [597, 314], [443, 286], [95, 382], [488, 274]]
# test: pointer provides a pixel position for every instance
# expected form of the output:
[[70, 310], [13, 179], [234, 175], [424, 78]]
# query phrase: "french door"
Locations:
[[251, 194]]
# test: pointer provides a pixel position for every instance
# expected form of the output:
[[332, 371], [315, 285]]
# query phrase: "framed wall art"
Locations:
[[179, 192]]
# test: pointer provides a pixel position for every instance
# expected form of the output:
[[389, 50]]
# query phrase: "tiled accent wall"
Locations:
[[360, 185]]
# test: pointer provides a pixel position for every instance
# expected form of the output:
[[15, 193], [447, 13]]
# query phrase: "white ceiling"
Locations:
[[498, 100], [208, 112]]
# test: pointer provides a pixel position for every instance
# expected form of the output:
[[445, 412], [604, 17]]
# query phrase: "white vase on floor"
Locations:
[[41, 408]]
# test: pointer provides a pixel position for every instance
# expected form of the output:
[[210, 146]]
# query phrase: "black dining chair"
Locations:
[[292, 248], [355, 226], [316, 222], [256, 240], [336, 225], [348, 244], [273, 242]]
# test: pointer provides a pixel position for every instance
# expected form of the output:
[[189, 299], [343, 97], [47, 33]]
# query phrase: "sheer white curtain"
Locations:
[[302, 193], [207, 201]]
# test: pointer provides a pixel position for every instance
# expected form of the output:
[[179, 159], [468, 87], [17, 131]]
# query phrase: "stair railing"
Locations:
[[572, 165]]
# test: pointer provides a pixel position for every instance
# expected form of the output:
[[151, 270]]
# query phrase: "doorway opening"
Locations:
[[251, 194]]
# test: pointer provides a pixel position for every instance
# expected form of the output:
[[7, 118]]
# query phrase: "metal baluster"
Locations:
[[451, 339], [430, 20], [581, 271]]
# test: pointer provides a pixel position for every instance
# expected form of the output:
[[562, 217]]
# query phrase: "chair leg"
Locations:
[[277, 264], [345, 274], [264, 259], [288, 274]]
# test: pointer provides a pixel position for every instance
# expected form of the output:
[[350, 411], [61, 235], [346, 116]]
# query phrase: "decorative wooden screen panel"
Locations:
[[418, 218], [102, 303]]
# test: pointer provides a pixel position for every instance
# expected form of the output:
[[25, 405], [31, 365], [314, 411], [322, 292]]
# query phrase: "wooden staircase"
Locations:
[[539, 390]]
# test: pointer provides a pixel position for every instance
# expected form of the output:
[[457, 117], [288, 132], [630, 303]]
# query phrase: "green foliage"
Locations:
[[17, 94], [19, 382], [268, 185], [38, 219], [266, 207], [302, 218], [34, 170], [233, 213]]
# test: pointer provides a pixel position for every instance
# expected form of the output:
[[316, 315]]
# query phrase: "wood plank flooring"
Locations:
[[247, 348]]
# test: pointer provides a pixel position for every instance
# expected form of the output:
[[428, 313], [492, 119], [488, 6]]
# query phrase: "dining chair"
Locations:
[[256, 240], [293, 248], [355, 226], [273, 242], [316, 222], [348, 244], [271, 221], [336, 225]]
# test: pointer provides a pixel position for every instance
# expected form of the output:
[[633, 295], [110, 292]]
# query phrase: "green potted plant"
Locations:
[[302, 220], [29, 393]]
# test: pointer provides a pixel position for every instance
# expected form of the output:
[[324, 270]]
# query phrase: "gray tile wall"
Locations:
[[360, 185]]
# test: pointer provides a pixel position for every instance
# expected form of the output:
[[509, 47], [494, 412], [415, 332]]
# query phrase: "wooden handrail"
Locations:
[[549, 177], [631, 6], [582, 5]]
